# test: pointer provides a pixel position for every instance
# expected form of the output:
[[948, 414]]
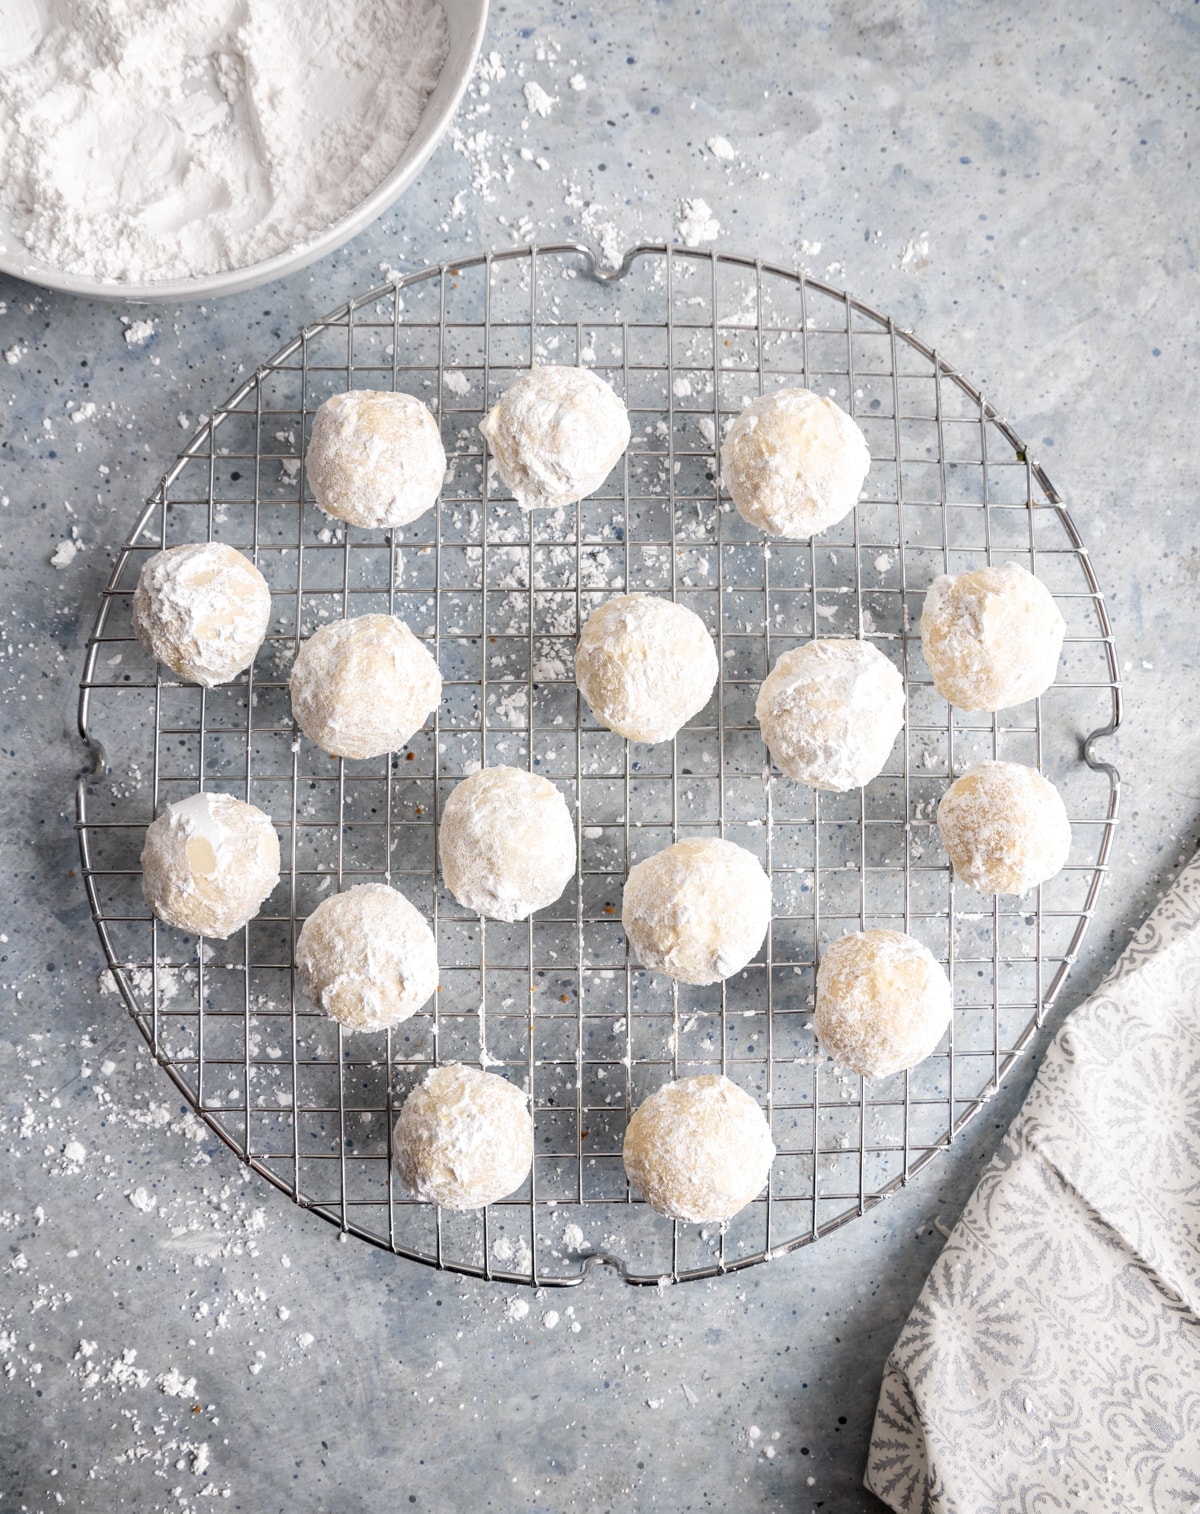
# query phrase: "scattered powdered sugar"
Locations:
[[175, 1385], [512, 1251], [915, 255], [137, 333], [696, 224], [536, 98], [230, 134]]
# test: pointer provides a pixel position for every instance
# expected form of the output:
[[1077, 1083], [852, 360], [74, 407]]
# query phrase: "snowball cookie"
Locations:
[[367, 957], [506, 842], [202, 610], [464, 1138], [1005, 827], [697, 911], [794, 463], [556, 434], [830, 712], [991, 637], [363, 687], [375, 458], [208, 863], [699, 1149], [883, 1002], [645, 666]]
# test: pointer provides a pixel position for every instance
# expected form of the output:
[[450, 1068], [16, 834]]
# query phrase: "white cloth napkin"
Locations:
[[1052, 1361]]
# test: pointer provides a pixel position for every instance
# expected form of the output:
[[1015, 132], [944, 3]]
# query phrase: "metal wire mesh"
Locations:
[[555, 1003]]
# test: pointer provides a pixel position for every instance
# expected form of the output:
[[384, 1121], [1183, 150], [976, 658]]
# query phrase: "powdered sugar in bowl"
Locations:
[[233, 144]]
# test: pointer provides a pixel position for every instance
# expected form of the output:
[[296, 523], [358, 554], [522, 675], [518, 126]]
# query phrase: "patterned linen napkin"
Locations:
[[1052, 1361]]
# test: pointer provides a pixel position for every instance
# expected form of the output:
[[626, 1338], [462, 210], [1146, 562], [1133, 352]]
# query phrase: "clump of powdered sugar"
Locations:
[[696, 224], [537, 99], [159, 139]]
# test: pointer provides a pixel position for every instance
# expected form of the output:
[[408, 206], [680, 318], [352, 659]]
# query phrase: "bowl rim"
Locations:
[[467, 23]]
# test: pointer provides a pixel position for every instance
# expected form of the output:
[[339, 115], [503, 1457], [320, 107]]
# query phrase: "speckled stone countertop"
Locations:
[[1014, 183]]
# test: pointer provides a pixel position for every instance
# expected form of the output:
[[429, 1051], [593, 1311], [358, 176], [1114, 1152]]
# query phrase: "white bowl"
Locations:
[[465, 21]]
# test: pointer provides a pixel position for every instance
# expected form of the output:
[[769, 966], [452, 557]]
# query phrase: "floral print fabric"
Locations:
[[1052, 1361]]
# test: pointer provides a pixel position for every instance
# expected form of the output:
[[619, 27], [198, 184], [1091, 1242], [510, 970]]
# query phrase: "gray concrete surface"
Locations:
[[1017, 184]]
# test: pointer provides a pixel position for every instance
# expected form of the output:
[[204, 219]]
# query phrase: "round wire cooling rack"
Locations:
[[555, 1003]]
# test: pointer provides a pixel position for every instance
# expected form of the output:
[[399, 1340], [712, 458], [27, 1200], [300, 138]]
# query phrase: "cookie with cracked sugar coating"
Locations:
[[506, 843], [645, 666], [883, 1002], [464, 1138], [556, 435], [697, 911], [794, 463], [830, 712], [368, 957], [202, 610], [991, 637], [1005, 828], [699, 1149], [363, 687], [375, 458], [208, 863]]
